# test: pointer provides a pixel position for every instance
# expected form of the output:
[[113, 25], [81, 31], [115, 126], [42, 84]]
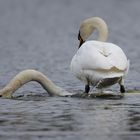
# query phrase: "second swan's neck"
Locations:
[[32, 75], [89, 25]]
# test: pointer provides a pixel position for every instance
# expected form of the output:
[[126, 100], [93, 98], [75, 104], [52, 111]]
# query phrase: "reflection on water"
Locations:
[[42, 35]]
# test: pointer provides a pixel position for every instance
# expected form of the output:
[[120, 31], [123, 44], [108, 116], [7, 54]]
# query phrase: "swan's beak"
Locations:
[[80, 40]]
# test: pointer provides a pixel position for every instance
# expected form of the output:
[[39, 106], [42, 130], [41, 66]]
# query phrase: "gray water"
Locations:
[[42, 35]]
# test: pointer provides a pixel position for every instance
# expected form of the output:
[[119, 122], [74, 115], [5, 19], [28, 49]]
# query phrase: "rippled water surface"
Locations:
[[42, 35]]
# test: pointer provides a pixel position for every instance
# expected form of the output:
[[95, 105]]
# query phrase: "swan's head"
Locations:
[[89, 25]]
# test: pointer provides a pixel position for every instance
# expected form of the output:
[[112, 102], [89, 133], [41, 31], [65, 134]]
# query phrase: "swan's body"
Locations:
[[95, 61], [98, 63]]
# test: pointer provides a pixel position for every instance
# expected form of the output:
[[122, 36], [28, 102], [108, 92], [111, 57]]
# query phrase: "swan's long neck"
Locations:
[[31, 75], [89, 25]]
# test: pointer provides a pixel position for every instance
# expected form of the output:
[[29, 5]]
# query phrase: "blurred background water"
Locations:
[[42, 35]]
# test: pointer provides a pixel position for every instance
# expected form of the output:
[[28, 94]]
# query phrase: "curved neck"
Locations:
[[95, 23], [32, 75]]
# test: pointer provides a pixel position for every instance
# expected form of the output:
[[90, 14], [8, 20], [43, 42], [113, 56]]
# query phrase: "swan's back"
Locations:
[[99, 60]]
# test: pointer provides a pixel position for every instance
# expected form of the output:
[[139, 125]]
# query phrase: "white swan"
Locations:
[[98, 63]]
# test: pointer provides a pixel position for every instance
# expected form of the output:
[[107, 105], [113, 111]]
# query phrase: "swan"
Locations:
[[98, 63]]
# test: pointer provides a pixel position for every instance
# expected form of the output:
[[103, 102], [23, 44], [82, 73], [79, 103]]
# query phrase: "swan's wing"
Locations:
[[95, 55], [117, 58]]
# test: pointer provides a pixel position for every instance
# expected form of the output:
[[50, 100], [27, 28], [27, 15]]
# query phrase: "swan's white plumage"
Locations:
[[98, 63], [97, 60]]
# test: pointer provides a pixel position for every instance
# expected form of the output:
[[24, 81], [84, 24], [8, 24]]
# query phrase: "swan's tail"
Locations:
[[107, 82]]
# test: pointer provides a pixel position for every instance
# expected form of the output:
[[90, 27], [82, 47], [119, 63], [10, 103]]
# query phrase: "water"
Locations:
[[42, 35], [70, 118]]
